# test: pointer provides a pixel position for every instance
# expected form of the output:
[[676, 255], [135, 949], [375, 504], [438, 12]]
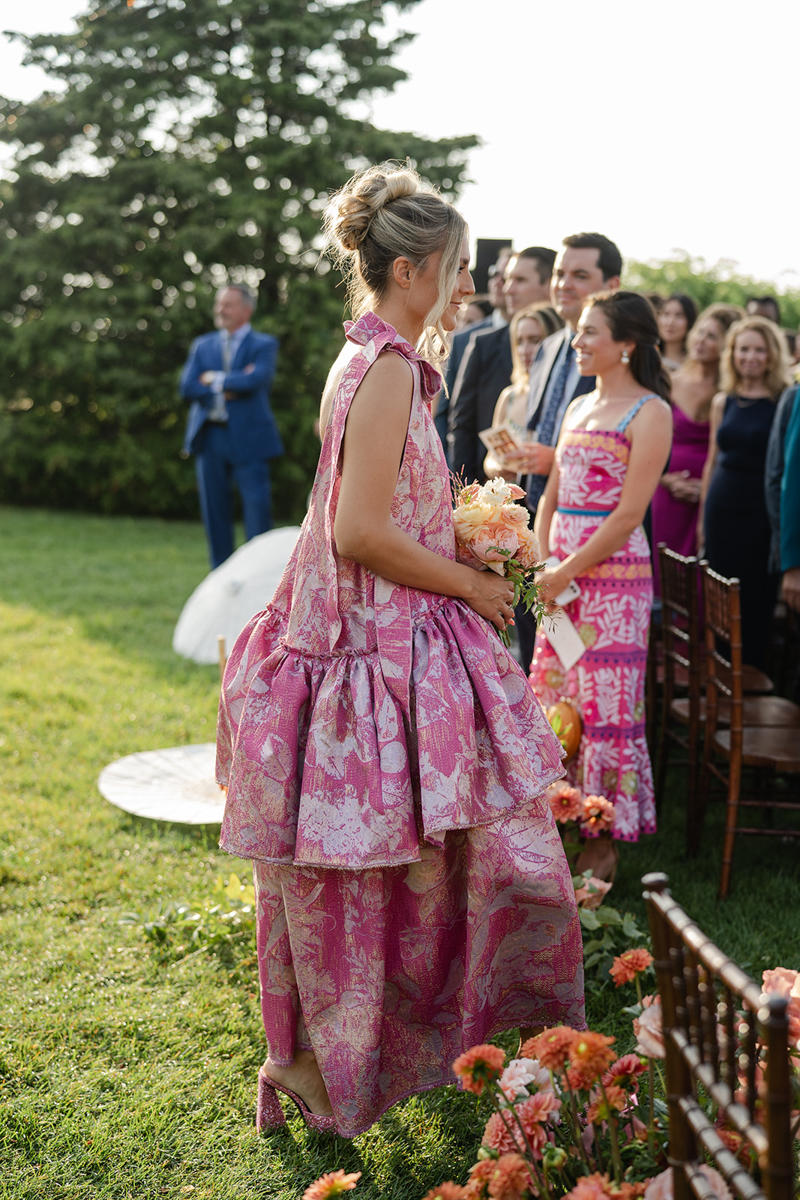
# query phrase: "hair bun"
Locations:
[[352, 208]]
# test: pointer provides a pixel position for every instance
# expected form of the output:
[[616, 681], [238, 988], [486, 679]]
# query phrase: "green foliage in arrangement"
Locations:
[[707, 284], [127, 1064], [194, 144]]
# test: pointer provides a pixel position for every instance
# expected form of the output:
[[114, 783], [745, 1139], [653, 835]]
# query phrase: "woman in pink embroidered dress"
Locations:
[[384, 756], [613, 447]]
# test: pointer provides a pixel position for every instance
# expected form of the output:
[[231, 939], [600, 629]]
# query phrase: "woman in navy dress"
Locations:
[[734, 524]]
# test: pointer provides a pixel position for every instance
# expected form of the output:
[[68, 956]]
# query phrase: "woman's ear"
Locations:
[[403, 271]]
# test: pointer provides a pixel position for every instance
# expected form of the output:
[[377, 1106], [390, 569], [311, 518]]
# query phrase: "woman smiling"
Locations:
[[613, 447]]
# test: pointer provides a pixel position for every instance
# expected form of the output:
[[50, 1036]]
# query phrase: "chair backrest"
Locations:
[[680, 616], [723, 630], [720, 1034]]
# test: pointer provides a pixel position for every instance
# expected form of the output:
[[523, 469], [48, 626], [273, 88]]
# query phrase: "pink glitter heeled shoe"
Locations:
[[270, 1114]]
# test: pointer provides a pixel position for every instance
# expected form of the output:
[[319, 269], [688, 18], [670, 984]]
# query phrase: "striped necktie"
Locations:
[[547, 425]]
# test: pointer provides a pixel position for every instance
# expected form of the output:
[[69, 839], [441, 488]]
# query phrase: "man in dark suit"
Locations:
[[586, 263], [486, 366], [231, 430], [462, 339]]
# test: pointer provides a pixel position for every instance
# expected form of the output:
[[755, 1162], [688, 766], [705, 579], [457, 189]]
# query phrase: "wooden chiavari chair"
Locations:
[[713, 1017], [775, 746]]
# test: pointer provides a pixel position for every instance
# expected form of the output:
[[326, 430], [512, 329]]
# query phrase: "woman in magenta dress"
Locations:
[[612, 449], [384, 756], [675, 501]]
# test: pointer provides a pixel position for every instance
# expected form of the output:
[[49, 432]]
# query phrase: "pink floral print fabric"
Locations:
[[385, 760], [388, 975], [612, 615]]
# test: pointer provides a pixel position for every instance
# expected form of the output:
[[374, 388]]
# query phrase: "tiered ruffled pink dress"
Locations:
[[385, 761], [612, 616]]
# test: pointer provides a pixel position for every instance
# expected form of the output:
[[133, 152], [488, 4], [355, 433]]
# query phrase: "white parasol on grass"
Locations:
[[166, 785], [229, 596]]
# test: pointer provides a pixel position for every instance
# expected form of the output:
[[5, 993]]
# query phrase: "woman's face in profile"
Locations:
[[595, 348], [672, 323], [530, 336], [705, 341]]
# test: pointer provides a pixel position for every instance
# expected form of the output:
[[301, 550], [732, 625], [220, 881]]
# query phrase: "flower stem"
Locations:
[[614, 1135], [638, 989], [651, 1121], [542, 1188], [576, 1131]]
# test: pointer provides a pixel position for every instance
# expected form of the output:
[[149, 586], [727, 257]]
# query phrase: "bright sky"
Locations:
[[664, 126]]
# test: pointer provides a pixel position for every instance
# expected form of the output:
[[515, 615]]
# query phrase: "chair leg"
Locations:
[[701, 798], [662, 759], [731, 814], [692, 808]]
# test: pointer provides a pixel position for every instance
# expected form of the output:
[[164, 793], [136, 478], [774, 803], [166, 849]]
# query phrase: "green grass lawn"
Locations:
[[126, 1072]]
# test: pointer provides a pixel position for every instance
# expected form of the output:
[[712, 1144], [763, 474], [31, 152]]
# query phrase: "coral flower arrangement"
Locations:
[[571, 1119]]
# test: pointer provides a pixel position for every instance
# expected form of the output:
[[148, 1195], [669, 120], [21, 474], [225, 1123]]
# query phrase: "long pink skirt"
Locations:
[[389, 974]]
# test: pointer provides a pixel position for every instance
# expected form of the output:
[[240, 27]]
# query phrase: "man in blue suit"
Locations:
[[231, 430]]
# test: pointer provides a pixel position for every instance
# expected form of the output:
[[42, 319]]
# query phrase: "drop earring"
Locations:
[[626, 358]]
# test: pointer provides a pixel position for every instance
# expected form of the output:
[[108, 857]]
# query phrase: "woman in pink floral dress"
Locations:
[[613, 447], [384, 756]]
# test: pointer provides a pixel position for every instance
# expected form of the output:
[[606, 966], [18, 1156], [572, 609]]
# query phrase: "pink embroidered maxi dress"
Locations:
[[612, 615], [385, 761]]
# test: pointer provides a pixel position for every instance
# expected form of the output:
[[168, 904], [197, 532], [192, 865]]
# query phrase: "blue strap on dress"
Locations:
[[631, 413]]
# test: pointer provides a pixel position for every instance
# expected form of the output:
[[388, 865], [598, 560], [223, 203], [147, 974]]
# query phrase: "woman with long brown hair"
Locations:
[[613, 446]]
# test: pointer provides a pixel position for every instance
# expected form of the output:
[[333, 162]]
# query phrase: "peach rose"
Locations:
[[469, 518], [648, 1029], [529, 554], [488, 543], [591, 893]]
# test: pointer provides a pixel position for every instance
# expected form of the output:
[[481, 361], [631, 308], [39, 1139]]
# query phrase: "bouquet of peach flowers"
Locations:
[[493, 531]]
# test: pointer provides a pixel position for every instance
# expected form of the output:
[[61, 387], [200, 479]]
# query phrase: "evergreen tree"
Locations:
[[195, 143]]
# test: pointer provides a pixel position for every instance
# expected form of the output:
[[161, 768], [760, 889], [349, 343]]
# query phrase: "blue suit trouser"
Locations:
[[216, 471]]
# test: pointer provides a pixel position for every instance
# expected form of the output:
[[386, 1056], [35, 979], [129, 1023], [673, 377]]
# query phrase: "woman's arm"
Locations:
[[717, 413], [494, 464], [372, 451], [546, 511], [651, 440]]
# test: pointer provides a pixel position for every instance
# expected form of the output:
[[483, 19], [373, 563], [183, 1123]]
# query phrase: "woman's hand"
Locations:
[[492, 596], [682, 486], [686, 490], [552, 582]]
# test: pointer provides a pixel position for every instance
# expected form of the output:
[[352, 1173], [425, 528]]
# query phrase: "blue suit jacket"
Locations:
[[541, 370], [485, 370], [253, 430], [458, 347]]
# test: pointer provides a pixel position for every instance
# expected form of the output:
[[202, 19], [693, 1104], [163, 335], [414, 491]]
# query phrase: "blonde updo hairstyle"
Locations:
[[386, 213]]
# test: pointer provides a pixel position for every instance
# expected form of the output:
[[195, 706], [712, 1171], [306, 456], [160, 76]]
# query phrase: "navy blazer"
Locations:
[[541, 371], [485, 370], [458, 346], [251, 422]]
